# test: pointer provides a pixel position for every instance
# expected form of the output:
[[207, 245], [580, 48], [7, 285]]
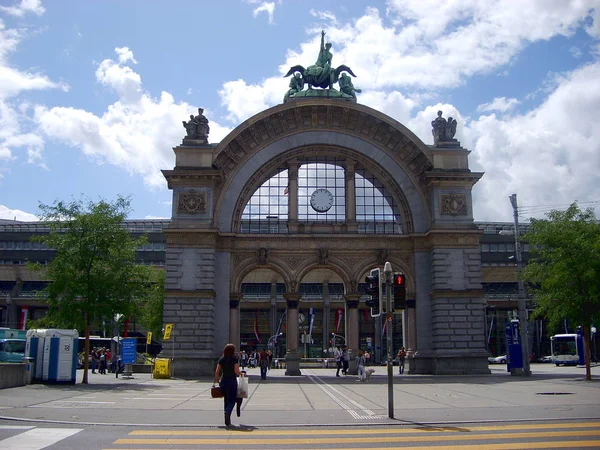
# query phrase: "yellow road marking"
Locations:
[[511, 446], [362, 432], [356, 439]]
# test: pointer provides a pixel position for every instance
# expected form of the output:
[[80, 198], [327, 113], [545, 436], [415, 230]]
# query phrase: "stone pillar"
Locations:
[[409, 338], [273, 310], [292, 196], [351, 196], [292, 357], [352, 338], [234, 320], [326, 316]]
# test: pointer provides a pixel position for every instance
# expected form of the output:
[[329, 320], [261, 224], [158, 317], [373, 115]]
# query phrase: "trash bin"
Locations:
[[30, 367]]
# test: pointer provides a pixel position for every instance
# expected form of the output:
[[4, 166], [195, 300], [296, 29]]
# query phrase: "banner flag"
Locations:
[[281, 322], [338, 319], [311, 319], [256, 333], [383, 328], [366, 315]]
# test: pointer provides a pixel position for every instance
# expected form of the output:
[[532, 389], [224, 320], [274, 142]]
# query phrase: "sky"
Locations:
[[92, 94]]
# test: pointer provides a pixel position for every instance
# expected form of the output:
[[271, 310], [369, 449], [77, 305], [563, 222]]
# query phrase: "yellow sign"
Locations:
[[149, 338], [162, 368], [168, 329]]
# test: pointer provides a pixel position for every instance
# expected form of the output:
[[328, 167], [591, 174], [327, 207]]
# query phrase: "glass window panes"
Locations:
[[322, 173], [267, 210], [376, 211]]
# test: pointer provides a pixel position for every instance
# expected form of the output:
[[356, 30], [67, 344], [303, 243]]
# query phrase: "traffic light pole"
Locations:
[[387, 271]]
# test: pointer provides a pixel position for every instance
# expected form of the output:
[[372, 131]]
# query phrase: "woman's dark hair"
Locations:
[[229, 350]]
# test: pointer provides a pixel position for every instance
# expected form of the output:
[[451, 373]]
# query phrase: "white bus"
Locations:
[[567, 349]]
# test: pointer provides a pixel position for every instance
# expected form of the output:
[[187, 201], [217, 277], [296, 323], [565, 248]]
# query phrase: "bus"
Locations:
[[567, 349]]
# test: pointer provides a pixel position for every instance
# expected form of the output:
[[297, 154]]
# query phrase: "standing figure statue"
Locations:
[[203, 128], [443, 130]]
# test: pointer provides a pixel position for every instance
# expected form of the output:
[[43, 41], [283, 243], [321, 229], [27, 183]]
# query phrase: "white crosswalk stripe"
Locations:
[[36, 438]]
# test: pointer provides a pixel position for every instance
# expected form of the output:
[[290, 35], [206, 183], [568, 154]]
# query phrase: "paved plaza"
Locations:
[[315, 398]]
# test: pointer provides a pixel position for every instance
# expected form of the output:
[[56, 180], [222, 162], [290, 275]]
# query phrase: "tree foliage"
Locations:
[[150, 308], [565, 270], [94, 274]]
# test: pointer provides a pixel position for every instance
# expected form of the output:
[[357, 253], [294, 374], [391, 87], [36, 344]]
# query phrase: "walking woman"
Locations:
[[225, 375]]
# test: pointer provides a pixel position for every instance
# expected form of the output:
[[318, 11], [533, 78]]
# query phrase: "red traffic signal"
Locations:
[[399, 279]]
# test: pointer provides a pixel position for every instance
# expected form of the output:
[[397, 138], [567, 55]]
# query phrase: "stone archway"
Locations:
[[207, 255]]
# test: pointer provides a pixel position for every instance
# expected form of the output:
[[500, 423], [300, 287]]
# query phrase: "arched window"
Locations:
[[321, 197]]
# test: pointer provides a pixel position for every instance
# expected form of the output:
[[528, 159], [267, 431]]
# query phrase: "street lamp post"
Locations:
[[521, 291], [336, 336], [387, 271]]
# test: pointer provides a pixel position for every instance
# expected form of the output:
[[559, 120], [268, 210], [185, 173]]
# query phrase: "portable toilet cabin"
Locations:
[[11, 333], [59, 355], [34, 348]]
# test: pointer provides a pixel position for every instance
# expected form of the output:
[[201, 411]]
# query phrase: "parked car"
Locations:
[[545, 359], [12, 350], [497, 359]]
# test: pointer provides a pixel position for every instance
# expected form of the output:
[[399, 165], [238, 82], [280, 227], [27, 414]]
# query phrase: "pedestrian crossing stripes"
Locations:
[[489, 437], [36, 438], [351, 406]]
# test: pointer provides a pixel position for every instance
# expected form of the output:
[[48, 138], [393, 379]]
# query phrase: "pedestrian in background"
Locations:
[[360, 365], [264, 364], [345, 360], [401, 359], [226, 376], [338, 360]]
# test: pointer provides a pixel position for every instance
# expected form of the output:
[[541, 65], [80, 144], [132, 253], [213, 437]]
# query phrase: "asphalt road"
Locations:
[[544, 435], [554, 408]]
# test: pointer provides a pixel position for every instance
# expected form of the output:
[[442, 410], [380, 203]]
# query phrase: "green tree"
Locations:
[[94, 274], [565, 271], [150, 308]]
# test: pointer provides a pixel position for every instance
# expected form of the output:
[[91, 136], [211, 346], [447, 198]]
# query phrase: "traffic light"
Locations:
[[374, 290], [399, 282]]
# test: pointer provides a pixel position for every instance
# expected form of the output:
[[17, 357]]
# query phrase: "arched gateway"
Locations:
[[282, 220]]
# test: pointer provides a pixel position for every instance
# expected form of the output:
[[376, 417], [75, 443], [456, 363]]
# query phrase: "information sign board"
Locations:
[[129, 350]]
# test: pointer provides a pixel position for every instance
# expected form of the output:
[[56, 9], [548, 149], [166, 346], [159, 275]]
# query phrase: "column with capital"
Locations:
[[292, 193], [292, 357], [351, 196], [352, 338], [234, 319]]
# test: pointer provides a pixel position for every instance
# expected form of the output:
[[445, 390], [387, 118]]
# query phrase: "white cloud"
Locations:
[[500, 104], [16, 214], [136, 133], [125, 55], [264, 7], [26, 6], [427, 45], [549, 156], [13, 117]]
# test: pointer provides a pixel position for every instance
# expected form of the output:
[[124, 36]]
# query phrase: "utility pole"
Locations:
[[521, 291], [387, 272]]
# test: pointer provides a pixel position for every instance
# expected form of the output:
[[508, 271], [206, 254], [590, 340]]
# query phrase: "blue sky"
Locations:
[[92, 94]]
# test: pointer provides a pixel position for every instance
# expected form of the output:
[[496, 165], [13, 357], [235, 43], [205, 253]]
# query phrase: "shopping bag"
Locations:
[[242, 388], [216, 392]]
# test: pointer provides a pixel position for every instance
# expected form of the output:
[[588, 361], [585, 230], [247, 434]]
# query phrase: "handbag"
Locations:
[[242, 387], [216, 391]]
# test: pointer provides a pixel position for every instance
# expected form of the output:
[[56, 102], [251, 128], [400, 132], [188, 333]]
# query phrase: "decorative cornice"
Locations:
[[188, 294], [192, 177], [447, 293]]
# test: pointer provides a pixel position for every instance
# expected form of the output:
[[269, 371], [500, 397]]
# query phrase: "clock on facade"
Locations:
[[321, 200]]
